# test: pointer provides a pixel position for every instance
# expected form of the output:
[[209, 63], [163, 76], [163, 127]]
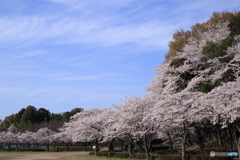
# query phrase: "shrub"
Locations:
[[121, 155], [139, 156], [102, 153], [91, 153]]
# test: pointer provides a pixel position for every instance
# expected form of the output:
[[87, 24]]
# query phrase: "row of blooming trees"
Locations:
[[42, 136], [195, 93]]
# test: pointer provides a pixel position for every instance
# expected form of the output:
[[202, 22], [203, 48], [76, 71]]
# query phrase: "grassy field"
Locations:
[[5, 155]]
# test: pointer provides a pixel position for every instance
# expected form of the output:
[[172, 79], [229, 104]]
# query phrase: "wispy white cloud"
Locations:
[[29, 54], [109, 30], [92, 4], [36, 30]]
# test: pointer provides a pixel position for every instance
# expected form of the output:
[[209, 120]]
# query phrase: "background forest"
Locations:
[[32, 119]]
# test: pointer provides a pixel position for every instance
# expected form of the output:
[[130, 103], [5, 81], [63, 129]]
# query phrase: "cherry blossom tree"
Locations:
[[226, 103], [110, 124], [45, 136], [1, 139], [86, 126], [64, 137], [204, 63], [136, 120], [177, 110], [27, 137], [9, 138]]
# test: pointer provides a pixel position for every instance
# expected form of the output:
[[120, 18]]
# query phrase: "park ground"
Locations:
[[4, 155], [84, 155]]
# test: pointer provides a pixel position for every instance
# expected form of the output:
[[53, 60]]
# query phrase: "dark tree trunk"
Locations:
[[219, 138], [230, 136], [171, 143], [47, 144], [236, 138], [150, 145], [200, 138], [84, 146], [131, 147], [67, 146], [110, 148], [122, 144], [184, 138], [9, 146], [96, 147], [146, 146]]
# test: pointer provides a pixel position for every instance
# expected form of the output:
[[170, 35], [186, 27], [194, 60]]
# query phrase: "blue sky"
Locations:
[[63, 54]]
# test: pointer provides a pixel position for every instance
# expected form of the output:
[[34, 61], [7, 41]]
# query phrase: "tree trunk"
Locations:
[[84, 146], [47, 147], [184, 140], [9, 146], [121, 144], [150, 145], [146, 147], [219, 139], [183, 147], [28, 146], [171, 143], [110, 148], [131, 147], [231, 141], [200, 138], [238, 147], [237, 139], [66, 144], [96, 147]]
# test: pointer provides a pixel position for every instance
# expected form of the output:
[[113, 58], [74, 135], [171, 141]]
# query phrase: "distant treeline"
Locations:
[[31, 119]]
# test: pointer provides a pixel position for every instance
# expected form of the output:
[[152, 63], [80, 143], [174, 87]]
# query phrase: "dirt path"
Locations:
[[40, 156]]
